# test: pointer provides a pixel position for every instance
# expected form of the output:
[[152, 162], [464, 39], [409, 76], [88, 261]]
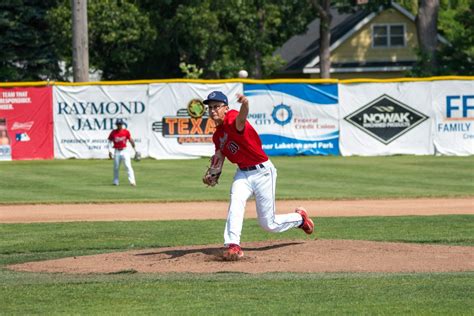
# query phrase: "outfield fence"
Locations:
[[367, 117]]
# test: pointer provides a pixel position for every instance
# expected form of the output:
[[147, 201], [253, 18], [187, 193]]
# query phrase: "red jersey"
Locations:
[[119, 138], [243, 148]]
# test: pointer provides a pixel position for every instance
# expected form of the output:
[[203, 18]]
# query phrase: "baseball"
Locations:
[[243, 74]]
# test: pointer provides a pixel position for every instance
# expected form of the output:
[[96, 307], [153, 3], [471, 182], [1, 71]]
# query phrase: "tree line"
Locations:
[[211, 39]]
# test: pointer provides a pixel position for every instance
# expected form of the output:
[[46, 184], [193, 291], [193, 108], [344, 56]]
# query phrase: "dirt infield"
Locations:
[[271, 256], [218, 210]]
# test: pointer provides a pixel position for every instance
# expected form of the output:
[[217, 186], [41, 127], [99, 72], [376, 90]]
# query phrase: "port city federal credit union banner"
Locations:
[[295, 118], [26, 123], [84, 116]]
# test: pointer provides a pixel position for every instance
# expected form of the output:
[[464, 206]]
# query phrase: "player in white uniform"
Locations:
[[118, 141], [236, 140]]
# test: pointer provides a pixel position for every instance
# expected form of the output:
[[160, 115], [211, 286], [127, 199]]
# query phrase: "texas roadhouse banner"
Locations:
[[180, 126]]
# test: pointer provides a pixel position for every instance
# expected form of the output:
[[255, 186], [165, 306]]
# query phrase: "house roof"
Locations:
[[302, 51]]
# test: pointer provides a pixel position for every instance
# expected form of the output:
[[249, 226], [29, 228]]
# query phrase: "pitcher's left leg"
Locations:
[[264, 185], [240, 192]]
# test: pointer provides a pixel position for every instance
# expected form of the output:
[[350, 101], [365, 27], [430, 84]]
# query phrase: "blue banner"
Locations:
[[295, 118]]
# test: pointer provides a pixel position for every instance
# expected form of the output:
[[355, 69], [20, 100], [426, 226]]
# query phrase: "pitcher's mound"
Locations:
[[272, 256]]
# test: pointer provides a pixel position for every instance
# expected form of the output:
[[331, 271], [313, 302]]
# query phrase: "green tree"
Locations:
[[120, 36], [163, 61], [455, 22], [198, 36], [26, 47], [222, 36], [458, 57]]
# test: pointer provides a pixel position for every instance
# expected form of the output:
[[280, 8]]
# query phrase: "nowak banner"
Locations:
[[386, 119]]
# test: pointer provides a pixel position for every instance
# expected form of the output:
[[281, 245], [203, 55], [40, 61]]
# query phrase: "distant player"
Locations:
[[236, 140], [118, 142]]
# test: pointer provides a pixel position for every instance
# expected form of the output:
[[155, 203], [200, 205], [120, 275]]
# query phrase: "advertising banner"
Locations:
[[453, 102], [26, 123], [295, 119], [386, 119], [84, 116], [179, 123]]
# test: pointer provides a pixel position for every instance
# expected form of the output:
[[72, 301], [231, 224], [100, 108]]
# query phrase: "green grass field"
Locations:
[[232, 293], [86, 181]]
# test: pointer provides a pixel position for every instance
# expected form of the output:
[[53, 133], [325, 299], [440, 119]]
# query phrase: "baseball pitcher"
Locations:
[[118, 142], [236, 140]]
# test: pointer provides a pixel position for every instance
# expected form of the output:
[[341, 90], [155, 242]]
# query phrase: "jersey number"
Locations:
[[233, 147]]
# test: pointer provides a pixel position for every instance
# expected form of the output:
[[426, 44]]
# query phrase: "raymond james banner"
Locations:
[[386, 119], [84, 116], [179, 122], [26, 123], [295, 119], [453, 102]]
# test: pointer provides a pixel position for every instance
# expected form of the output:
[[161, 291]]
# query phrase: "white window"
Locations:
[[388, 35]]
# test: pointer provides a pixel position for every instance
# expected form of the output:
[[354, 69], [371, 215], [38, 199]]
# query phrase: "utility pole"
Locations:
[[80, 45], [427, 31], [325, 18]]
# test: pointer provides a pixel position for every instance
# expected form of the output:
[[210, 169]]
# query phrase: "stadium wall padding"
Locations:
[[422, 116]]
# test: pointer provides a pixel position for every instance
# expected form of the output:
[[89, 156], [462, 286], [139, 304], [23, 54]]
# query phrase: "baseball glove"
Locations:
[[211, 177], [138, 156]]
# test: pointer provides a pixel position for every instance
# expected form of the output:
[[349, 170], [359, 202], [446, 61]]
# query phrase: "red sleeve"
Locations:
[[111, 137], [128, 135], [214, 140], [230, 120]]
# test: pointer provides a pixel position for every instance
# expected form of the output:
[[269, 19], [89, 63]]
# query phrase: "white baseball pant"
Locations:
[[119, 156], [261, 183]]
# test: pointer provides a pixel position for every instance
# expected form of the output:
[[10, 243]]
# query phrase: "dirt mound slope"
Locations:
[[272, 256]]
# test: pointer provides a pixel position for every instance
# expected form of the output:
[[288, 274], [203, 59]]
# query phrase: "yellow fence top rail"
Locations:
[[202, 81], [23, 84], [250, 81], [367, 80]]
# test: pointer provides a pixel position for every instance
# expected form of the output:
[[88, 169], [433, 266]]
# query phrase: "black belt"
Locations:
[[252, 167]]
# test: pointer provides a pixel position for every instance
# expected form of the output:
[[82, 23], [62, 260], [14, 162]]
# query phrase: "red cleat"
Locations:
[[233, 252], [308, 225]]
